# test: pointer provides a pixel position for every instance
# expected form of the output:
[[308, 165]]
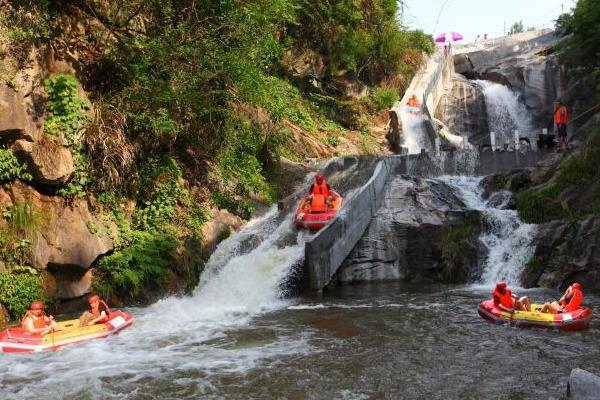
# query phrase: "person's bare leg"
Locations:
[[555, 308], [525, 305]]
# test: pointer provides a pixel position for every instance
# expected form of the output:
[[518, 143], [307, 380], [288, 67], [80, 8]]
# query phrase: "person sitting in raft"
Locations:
[[319, 195], [413, 102], [505, 300], [570, 301], [98, 313], [36, 321]]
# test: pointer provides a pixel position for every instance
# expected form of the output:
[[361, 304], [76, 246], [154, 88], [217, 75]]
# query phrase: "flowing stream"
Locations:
[[242, 335], [506, 237]]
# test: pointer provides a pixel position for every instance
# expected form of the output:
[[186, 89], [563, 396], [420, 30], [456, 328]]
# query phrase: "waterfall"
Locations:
[[413, 131], [505, 112], [507, 238]]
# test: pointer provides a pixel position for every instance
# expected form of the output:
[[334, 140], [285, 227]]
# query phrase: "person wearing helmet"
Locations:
[[570, 301], [320, 197], [505, 300], [98, 313], [35, 321]]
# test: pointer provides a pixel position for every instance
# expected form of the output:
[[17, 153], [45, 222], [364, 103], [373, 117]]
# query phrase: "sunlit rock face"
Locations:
[[409, 240], [528, 68], [463, 110], [69, 238]]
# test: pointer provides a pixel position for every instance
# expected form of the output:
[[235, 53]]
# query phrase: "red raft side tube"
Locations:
[[16, 340], [316, 221], [578, 319]]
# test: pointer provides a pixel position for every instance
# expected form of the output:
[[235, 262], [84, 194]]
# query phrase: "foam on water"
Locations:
[[507, 238]]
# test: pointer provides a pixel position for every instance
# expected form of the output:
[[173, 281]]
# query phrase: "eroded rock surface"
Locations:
[[463, 110], [49, 163], [69, 240], [17, 120], [408, 239], [566, 252]]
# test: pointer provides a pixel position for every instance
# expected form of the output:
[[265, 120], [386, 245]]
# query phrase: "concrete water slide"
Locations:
[[326, 251]]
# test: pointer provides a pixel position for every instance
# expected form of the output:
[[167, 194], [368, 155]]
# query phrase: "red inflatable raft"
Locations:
[[16, 340], [569, 321], [315, 221]]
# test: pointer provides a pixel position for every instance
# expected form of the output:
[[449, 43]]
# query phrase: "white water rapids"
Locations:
[[507, 238], [180, 334]]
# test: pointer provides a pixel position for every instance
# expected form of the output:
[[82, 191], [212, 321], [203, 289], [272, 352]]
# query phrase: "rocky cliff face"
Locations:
[[527, 68], [566, 252], [423, 232]]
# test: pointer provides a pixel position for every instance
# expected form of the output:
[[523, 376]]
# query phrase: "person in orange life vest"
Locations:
[[319, 195], [36, 321], [413, 102], [98, 314], [561, 118], [570, 301], [505, 300]]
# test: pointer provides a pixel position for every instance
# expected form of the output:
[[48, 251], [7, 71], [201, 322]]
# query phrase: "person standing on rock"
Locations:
[[561, 118]]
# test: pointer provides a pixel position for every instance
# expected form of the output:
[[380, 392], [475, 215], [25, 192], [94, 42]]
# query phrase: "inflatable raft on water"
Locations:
[[316, 221], [569, 321], [16, 340]]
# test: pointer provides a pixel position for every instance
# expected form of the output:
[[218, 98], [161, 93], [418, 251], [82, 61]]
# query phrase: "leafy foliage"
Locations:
[[66, 119], [18, 233], [516, 27], [577, 175], [579, 48], [18, 290], [65, 108], [385, 97], [11, 168], [144, 263]]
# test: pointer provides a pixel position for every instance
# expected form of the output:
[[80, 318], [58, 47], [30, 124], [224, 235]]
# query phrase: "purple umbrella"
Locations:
[[448, 37]]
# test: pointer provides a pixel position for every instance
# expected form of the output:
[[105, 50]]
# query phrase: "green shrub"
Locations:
[[384, 98], [11, 168], [18, 290], [144, 263], [65, 108], [537, 207]]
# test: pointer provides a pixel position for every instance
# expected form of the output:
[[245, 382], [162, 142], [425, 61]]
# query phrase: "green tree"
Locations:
[[516, 27]]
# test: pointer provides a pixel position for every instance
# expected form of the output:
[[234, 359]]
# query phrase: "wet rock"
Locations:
[[218, 228], [409, 237], [526, 68], [565, 252], [503, 200], [463, 110], [49, 163], [65, 239], [583, 385], [71, 283]]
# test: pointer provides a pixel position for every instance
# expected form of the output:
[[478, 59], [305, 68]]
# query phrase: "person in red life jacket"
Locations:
[[570, 301], [319, 195], [561, 118], [98, 313], [36, 321], [505, 300]]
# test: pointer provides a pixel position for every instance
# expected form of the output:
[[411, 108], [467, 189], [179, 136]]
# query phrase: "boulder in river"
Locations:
[[422, 232], [583, 385]]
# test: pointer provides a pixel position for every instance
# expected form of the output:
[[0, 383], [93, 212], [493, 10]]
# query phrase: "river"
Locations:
[[375, 341]]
